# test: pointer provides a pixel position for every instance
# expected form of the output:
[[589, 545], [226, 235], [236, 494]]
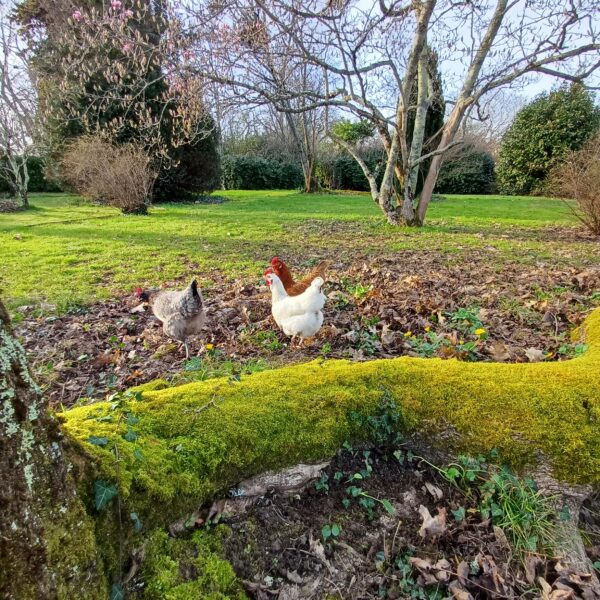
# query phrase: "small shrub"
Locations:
[[578, 178], [120, 176]]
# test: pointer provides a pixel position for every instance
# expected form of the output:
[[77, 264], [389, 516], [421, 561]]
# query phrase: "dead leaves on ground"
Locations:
[[387, 307]]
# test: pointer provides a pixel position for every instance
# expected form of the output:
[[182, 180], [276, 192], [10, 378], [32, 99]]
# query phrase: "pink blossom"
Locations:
[[128, 47], [116, 4], [187, 54], [77, 16], [127, 14]]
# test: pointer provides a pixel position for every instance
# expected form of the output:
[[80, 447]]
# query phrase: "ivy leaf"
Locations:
[[565, 513], [131, 435], [354, 491], [116, 592], [399, 456], [131, 420], [326, 532], [335, 530], [452, 473], [97, 441], [388, 506], [346, 503], [459, 514], [137, 453], [104, 492]]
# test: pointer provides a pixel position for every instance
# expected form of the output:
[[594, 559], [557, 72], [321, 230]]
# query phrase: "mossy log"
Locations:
[[178, 447]]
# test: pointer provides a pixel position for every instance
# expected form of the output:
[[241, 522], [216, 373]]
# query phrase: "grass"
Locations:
[[67, 253]]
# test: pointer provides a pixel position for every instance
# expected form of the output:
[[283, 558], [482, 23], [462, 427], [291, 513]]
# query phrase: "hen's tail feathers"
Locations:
[[194, 287], [319, 270]]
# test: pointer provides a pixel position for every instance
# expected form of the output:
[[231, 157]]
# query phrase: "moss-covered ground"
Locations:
[[168, 450]]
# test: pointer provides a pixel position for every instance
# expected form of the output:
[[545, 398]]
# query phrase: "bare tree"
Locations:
[[18, 110], [374, 59], [578, 177], [254, 68]]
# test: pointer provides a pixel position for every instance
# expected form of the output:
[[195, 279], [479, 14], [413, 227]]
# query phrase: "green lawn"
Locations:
[[67, 252]]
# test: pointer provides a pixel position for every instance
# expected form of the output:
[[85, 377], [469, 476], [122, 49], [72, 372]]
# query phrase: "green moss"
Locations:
[[178, 569], [73, 553], [151, 386], [195, 441]]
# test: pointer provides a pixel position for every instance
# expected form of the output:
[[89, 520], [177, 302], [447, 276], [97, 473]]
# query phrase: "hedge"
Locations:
[[247, 172]]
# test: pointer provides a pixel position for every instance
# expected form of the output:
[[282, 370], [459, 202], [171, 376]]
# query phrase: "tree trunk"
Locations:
[[24, 198], [20, 176], [47, 545], [311, 185], [448, 134]]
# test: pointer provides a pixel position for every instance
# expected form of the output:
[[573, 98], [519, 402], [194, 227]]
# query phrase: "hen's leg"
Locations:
[[187, 350]]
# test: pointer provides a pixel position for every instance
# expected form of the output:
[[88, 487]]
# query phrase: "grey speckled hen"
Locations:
[[181, 312]]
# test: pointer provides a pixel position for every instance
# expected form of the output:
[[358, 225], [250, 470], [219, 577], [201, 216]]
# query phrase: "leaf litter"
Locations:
[[469, 307], [277, 549]]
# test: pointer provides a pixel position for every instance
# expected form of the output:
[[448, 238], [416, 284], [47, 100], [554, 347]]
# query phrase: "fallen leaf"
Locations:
[[434, 490], [533, 566], [502, 539], [424, 567], [499, 351], [458, 592], [463, 572], [432, 527], [443, 570], [534, 354]]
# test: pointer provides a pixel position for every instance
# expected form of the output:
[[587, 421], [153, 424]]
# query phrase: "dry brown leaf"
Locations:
[[424, 567], [432, 527], [458, 592], [562, 595], [463, 572], [499, 351], [434, 490], [533, 567], [534, 354], [443, 570], [501, 538]]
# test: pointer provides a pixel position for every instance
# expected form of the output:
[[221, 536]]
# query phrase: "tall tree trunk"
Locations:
[[408, 212], [47, 544]]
